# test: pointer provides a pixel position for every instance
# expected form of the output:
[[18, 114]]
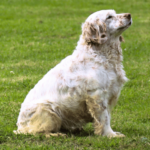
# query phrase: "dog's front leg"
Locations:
[[102, 124], [99, 111]]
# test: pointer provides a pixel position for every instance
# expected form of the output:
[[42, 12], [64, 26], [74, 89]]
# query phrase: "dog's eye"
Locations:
[[109, 17], [103, 36]]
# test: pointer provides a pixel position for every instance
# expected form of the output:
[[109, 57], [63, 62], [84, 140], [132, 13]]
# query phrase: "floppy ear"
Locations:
[[94, 33], [121, 39]]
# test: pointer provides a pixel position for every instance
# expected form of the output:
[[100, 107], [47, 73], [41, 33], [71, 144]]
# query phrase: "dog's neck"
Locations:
[[111, 50], [105, 54]]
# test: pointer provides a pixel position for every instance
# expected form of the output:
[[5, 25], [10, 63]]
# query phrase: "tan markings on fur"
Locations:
[[121, 23], [104, 26], [93, 68], [121, 17], [94, 109], [91, 34], [112, 100], [121, 38], [98, 128], [106, 65], [44, 120], [101, 27]]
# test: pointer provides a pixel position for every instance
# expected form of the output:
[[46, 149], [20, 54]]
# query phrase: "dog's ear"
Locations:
[[121, 39], [94, 33]]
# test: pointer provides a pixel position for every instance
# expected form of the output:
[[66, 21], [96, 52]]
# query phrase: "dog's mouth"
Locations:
[[124, 27]]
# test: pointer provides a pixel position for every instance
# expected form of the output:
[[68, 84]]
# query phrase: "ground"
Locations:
[[35, 35]]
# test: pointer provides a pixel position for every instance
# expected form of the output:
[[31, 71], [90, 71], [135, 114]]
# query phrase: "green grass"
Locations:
[[35, 35]]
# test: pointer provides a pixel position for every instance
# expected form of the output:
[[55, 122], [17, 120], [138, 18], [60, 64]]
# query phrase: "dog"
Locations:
[[83, 87]]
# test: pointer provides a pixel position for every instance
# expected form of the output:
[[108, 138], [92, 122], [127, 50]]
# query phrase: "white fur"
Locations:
[[84, 86]]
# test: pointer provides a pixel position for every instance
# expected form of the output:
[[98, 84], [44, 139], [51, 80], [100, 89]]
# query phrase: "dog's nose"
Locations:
[[128, 16]]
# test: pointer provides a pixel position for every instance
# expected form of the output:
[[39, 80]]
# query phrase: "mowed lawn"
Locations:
[[35, 35]]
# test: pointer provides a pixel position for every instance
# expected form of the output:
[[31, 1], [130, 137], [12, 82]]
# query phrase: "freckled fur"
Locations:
[[82, 88], [121, 38]]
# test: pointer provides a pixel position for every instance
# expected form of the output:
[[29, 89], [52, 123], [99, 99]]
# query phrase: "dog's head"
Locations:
[[104, 25]]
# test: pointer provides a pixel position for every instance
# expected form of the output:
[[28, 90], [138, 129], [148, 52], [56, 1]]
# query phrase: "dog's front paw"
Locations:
[[118, 134], [114, 134]]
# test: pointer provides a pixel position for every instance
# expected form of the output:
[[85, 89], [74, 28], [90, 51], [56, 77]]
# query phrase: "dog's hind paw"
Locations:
[[55, 134], [16, 132]]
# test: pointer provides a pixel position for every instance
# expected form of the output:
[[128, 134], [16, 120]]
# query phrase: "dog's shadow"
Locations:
[[87, 130]]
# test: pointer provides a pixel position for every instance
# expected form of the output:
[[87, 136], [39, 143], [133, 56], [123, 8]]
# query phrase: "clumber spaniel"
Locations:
[[85, 86]]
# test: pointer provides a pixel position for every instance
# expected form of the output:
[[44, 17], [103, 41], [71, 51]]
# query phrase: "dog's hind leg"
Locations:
[[43, 120]]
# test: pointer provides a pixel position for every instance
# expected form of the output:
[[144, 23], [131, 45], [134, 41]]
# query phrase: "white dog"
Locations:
[[85, 86]]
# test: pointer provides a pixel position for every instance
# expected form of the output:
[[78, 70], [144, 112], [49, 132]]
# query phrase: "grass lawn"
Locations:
[[36, 35]]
